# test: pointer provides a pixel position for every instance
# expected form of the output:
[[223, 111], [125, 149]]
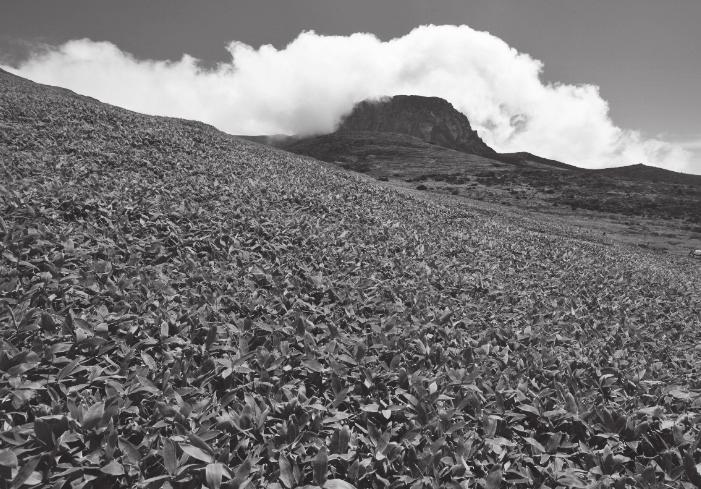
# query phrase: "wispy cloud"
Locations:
[[693, 144], [307, 86]]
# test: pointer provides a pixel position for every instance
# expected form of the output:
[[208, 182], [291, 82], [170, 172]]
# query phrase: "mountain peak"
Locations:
[[431, 119]]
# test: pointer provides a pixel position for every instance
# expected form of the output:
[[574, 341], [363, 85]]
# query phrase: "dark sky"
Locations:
[[644, 54]]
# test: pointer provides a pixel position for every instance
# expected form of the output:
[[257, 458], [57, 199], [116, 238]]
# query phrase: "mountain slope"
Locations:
[[179, 307], [412, 138], [647, 173], [432, 120], [386, 154]]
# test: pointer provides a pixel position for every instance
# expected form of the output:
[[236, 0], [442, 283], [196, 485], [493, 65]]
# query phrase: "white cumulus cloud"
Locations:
[[307, 86]]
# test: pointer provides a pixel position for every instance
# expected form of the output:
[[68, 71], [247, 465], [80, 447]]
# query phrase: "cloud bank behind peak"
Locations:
[[307, 86]]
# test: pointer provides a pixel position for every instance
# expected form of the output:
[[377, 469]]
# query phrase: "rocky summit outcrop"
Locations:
[[431, 119]]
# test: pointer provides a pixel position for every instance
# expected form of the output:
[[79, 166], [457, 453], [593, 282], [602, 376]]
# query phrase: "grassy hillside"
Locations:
[[389, 154], [642, 172], [519, 179], [179, 307]]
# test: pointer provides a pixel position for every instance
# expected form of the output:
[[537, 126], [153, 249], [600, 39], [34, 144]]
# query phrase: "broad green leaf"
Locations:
[[8, 458], [113, 468], [25, 472], [286, 476], [213, 475], [130, 450], [170, 460], [93, 416], [197, 453], [338, 484], [494, 478], [320, 466]]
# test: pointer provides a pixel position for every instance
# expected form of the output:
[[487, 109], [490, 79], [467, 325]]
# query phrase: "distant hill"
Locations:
[[430, 119], [641, 172], [386, 154], [523, 157]]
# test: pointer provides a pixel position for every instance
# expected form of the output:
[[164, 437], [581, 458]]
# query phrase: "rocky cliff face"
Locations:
[[431, 119]]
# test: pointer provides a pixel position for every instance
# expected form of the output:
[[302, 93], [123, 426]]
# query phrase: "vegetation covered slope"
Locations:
[[389, 154], [179, 307]]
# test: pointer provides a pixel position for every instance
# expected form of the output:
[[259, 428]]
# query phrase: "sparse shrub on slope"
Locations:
[[179, 309]]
